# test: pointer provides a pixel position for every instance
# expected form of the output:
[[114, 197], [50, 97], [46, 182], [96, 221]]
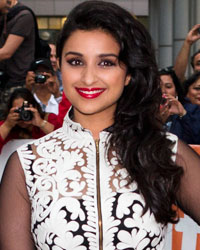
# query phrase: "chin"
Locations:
[[23, 125], [92, 110]]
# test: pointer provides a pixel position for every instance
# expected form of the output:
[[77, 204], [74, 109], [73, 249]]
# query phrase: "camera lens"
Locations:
[[39, 78], [26, 115]]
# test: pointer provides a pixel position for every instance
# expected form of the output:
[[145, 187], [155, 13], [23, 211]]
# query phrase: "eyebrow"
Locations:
[[105, 55], [73, 53], [81, 55]]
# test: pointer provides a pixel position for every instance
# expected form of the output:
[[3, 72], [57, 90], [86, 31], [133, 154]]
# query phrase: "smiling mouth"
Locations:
[[90, 93]]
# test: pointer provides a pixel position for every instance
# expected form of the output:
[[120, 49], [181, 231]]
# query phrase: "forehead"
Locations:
[[18, 102], [91, 41], [197, 58], [42, 68], [197, 82], [166, 78]]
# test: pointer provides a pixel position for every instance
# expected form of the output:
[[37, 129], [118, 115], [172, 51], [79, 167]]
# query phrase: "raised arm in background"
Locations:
[[182, 58]]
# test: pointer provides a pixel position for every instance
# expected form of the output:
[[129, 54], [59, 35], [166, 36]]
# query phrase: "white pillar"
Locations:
[[165, 33], [197, 20], [153, 24], [161, 30], [181, 23]]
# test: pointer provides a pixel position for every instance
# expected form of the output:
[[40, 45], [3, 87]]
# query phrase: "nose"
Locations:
[[53, 59], [89, 75], [163, 89]]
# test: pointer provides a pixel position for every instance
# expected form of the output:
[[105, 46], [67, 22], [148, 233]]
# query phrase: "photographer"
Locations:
[[42, 81], [25, 119]]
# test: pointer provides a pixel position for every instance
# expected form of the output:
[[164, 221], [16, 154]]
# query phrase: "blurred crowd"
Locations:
[[31, 92], [180, 107]]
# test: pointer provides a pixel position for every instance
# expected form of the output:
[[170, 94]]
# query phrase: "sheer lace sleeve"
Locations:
[[188, 196], [15, 226]]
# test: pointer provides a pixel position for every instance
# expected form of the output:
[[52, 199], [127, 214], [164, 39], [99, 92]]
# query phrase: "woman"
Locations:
[[24, 118], [192, 88], [107, 178], [172, 94], [180, 117]]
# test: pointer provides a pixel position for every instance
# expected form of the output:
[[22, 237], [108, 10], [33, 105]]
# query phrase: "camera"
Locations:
[[163, 100], [39, 78], [24, 115]]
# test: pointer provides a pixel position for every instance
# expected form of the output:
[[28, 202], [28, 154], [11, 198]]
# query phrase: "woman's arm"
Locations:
[[183, 55], [15, 209], [188, 195], [9, 123]]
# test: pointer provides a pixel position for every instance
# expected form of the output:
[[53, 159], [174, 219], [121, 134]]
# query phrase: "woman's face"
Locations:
[[194, 92], [17, 103], [93, 78], [167, 85]]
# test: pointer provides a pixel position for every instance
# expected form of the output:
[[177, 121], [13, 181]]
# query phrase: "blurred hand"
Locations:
[[37, 120], [53, 86], [12, 118], [30, 80], [172, 106], [193, 35]]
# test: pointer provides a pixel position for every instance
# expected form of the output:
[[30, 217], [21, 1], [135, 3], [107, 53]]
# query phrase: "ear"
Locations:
[[127, 80]]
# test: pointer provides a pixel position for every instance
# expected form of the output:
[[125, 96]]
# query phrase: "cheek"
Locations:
[[22, 124], [115, 78], [69, 77], [174, 92], [191, 94], [197, 67]]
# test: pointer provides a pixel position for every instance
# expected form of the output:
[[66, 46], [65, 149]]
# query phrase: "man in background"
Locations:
[[17, 42], [54, 64], [43, 83]]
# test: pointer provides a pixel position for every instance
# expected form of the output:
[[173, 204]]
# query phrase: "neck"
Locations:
[[95, 123], [43, 94]]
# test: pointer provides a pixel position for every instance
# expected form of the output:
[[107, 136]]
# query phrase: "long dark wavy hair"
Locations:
[[137, 134]]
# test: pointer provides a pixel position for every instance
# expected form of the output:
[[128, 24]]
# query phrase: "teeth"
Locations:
[[90, 92]]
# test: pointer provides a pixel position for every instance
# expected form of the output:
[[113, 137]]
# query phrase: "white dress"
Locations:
[[80, 195]]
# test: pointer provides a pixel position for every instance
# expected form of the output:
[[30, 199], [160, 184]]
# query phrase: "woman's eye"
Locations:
[[168, 86], [106, 63], [75, 62], [197, 88]]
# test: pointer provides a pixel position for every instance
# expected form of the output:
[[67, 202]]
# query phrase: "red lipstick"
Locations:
[[90, 93]]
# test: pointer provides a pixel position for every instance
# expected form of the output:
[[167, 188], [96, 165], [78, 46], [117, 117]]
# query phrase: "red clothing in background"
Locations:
[[36, 132], [64, 106]]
